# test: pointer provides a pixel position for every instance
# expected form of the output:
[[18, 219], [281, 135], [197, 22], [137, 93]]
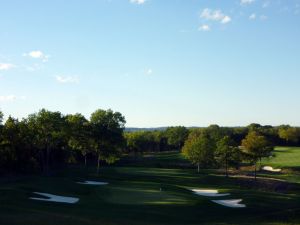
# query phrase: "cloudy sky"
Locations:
[[158, 62]]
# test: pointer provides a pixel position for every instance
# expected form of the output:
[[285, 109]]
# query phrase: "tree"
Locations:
[[215, 132], [176, 136], [199, 149], [10, 144], [136, 142], [107, 127], [227, 154], [1, 117], [79, 134], [48, 129], [289, 133], [256, 146]]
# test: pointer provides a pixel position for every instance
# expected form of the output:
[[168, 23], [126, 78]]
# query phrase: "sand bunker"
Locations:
[[232, 203], [92, 183], [270, 169], [55, 198], [209, 193]]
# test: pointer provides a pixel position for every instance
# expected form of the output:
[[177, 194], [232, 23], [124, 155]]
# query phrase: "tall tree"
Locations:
[[1, 117], [289, 133], [176, 136], [227, 153], [79, 134], [48, 128], [10, 144], [199, 149], [256, 146], [107, 129]]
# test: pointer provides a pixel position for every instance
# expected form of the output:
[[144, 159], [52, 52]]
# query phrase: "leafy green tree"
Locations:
[[199, 149], [107, 127], [1, 117], [135, 142], [48, 129], [254, 127], [10, 144], [16, 151], [215, 132], [289, 133], [256, 146], [227, 153], [79, 134], [176, 136]]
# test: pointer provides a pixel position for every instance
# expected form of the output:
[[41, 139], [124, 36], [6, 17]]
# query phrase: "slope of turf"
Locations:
[[141, 196], [284, 157]]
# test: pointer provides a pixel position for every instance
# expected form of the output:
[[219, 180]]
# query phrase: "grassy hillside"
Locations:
[[284, 157]]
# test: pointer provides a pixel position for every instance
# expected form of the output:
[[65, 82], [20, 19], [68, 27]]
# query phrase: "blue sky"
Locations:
[[158, 62]]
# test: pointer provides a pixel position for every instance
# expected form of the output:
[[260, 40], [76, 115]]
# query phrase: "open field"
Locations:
[[288, 159], [143, 195], [284, 157]]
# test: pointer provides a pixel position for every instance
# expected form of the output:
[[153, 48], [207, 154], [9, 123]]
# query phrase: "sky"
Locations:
[[158, 62]]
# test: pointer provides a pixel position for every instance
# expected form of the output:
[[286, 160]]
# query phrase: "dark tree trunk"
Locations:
[[98, 163], [46, 161], [226, 167], [198, 168], [85, 160], [255, 171], [42, 160], [260, 162]]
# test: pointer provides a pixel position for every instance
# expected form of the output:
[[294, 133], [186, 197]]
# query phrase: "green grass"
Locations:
[[147, 195], [133, 196], [172, 159], [284, 157]]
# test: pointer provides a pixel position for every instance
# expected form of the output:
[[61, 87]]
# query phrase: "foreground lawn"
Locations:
[[142, 196]]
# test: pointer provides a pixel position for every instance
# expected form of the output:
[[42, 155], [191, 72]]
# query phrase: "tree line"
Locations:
[[47, 139], [215, 147]]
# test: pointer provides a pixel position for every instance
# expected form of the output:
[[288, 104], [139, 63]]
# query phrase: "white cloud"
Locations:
[[33, 67], [247, 2], [149, 71], [37, 55], [226, 19], [215, 15], [204, 27], [266, 4], [263, 17], [252, 16], [6, 66], [66, 79], [139, 2], [11, 98]]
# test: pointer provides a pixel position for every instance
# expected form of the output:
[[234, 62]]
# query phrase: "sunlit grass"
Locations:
[[284, 157]]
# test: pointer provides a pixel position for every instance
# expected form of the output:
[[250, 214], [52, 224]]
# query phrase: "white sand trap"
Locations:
[[232, 203], [55, 198], [270, 169], [209, 193], [92, 183]]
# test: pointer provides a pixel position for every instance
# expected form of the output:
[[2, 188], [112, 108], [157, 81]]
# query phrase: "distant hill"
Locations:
[[134, 129]]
